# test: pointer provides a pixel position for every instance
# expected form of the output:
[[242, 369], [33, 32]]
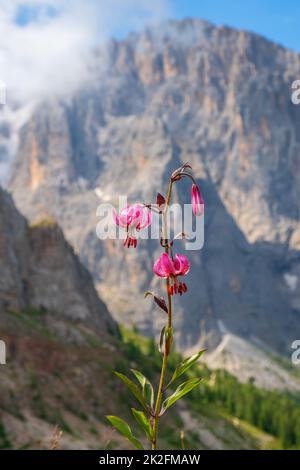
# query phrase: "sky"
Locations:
[[44, 44], [278, 20]]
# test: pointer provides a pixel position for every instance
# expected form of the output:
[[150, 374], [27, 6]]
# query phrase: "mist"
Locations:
[[45, 45]]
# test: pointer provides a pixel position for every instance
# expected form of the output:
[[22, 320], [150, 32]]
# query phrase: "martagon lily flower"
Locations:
[[197, 200], [172, 267], [133, 218]]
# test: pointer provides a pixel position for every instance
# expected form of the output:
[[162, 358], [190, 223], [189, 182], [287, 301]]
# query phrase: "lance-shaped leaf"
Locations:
[[165, 339], [185, 365], [143, 422], [182, 390], [161, 340], [133, 388], [147, 389], [158, 300], [125, 430]]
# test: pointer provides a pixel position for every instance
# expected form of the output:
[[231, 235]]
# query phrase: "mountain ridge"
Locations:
[[222, 102], [40, 271]]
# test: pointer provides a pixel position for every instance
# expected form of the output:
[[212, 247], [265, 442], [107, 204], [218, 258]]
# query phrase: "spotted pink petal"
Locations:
[[158, 269], [137, 216], [163, 267], [181, 265], [138, 210], [115, 217], [167, 264], [147, 219], [125, 216]]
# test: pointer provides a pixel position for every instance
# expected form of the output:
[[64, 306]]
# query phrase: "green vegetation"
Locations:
[[236, 415], [44, 222], [272, 412], [4, 440], [31, 319], [276, 413], [44, 410], [143, 352]]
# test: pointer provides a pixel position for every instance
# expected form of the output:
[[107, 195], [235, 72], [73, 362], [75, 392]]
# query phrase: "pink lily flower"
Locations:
[[197, 200], [133, 218], [172, 268]]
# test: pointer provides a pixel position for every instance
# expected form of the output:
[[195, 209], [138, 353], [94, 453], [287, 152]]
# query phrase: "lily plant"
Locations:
[[171, 268]]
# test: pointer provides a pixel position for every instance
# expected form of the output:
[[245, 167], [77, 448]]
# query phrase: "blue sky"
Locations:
[[45, 44], [278, 20]]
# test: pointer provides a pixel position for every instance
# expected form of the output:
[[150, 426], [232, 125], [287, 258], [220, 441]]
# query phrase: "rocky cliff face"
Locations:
[[185, 91], [40, 270]]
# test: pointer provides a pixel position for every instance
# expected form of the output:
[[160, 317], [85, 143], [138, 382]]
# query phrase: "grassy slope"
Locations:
[[67, 381], [205, 425]]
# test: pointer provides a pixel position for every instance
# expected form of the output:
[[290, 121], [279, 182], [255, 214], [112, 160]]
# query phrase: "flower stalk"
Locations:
[[170, 268], [167, 346]]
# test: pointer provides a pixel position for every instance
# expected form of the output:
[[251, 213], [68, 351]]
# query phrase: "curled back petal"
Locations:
[[158, 269], [147, 219], [167, 264], [115, 217], [181, 265]]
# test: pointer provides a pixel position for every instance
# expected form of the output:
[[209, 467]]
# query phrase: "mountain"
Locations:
[[40, 270], [181, 91], [62, 346], [49, 310]]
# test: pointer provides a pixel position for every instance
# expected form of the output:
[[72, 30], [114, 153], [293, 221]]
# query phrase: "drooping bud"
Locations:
[[160, 301], [160, 201], [197, 200]]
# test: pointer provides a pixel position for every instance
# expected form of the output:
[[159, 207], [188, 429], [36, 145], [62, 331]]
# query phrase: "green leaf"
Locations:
[[125, 430], [147, 389], [165, 339], [133, 388], [185, 365], [161, 339], [140, 377], [143, 422], [182, 390]]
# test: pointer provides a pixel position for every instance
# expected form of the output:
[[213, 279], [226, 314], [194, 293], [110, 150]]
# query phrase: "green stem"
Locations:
[[159, 400], [169, 325]]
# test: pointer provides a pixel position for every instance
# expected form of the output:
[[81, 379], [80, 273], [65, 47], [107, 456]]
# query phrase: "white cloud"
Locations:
[[49, 54]]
